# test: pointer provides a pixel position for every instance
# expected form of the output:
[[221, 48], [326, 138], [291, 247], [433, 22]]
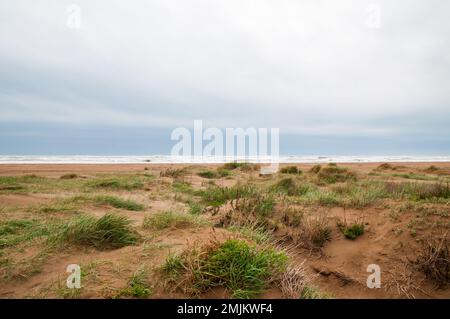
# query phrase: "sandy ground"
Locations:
[[52, 170], [340, 270]]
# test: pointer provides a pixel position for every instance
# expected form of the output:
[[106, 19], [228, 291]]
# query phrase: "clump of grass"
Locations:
[[315, 169], [260, 204], [207, 174], [217, 196], [253, 231], [243, 269], [320, 197], [60, 206], [173, 172], [294, 281], [290, 170], [118, 202], [437, 170], [292, 216], [359, 195], [418, 191], [20, 184], [182, 186], [169, 219], [286, 185], [434, 260], [13, 232], [415, 176], [221, 172], [351, 231], [195, 208], [243, 166], [312, 232], [385, 166], [122, 182], [172, 267], [69, 176], [138, 286], [231, 165], [12, 188], [310, 292], [431, 169], [108, 232], [333, 174], [427, 191], [315, 231]]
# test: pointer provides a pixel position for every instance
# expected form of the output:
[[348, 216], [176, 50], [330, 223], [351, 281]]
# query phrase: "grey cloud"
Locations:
[[312, 68]]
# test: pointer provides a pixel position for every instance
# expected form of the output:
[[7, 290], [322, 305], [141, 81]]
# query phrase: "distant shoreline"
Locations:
[[56, 170], [167, 159]]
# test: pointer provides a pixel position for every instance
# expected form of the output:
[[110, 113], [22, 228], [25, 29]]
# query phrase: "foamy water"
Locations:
[[163, 159]]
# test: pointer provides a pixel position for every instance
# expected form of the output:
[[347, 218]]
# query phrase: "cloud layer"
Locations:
[[312, 68]]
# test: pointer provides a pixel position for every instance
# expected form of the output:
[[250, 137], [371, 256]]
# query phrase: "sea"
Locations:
[[166, 159]]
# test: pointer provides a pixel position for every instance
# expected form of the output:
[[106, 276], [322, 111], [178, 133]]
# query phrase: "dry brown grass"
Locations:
[[404, 281], [312, 232], [294, 281], [434, 260]]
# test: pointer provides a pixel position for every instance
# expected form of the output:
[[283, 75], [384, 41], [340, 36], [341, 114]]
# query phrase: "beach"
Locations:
[[57, 169], [331, 221]]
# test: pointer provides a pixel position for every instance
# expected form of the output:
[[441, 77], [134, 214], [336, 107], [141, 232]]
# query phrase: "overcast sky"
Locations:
[[333, 75]]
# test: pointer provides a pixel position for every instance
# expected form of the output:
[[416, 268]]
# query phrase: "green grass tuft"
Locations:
[[333, 174], [217, 196], [119, 182], [243, 269], [195, 208], [353, 231], [207, 174], [13, 232], [286, 186], [169, 219], [138, 286], [243, 166], [118, 202], [108, 232], [173, 266], [310, 292]]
